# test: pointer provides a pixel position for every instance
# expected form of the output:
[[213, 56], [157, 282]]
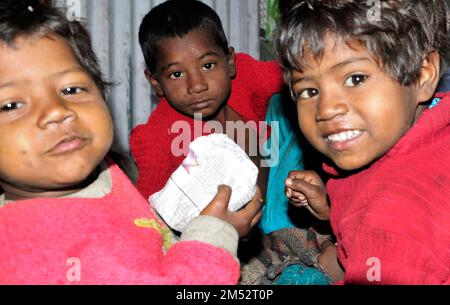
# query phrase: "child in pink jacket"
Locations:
[[67, 214]]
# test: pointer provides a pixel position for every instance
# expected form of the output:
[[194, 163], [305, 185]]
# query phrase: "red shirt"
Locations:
[[392, 220]]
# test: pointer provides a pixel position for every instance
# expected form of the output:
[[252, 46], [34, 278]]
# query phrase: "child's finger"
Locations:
[[294, 195], [296, 174], [252, 209], [308, 176], [220, 200], [302, 186], [223, 195], [299, 203], [308, 207], [298, 195], [288, 192], [256, 219]]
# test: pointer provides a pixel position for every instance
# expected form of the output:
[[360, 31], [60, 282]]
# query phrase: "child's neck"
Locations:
[[421, 108], [222, 116], [14, 193]]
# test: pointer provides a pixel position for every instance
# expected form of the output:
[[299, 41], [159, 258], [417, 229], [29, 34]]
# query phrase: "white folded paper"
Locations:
[[212, 160]]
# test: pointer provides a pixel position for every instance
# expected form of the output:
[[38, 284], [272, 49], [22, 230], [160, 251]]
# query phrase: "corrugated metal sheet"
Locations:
[[114, 26]]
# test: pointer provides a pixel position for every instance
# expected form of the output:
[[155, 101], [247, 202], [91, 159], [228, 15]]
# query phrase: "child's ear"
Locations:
[[154, 82], [429, 77], [232, 61]]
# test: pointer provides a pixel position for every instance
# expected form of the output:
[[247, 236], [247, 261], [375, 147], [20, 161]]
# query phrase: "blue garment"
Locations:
[[289, 157], [301, 275], [434, 102], [286, 155]]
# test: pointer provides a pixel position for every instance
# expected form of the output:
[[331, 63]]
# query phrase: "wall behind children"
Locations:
[[114, 26]]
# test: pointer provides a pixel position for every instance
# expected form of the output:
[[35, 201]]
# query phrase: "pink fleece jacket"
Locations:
[[111, 240]]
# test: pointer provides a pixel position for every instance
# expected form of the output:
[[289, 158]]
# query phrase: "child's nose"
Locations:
[[197, 83], [330, 106], [55, 112]]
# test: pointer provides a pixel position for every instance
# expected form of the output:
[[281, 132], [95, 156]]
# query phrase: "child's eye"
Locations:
[[176, 75], [355, 80], [8, 107], [209, 66], [72, 90], [307, 93]]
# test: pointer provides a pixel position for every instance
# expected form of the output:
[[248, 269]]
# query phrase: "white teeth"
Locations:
[[344, 136]]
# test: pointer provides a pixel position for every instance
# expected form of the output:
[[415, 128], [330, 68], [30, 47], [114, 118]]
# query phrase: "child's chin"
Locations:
[[73, 178], [205, 113], [70, 182], [351, 165]]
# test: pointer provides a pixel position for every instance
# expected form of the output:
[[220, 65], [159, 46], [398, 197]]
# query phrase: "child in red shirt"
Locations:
[[195, 72], [363, 79]]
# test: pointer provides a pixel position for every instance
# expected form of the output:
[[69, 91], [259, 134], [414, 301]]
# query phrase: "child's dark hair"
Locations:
[[405, 32], [176, 18], [33, 18]]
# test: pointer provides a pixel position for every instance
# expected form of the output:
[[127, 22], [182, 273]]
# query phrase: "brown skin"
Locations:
[[194, 74], [306, 189], [347, 90], [329, 262], [45, 98]]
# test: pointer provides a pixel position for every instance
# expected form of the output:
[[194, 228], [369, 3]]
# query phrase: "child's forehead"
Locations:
[[197, 40], [36, 57], [332, 50], [30, 44]]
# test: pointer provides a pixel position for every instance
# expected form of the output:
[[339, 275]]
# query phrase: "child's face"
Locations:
[[193, 73], [349, 109], [54, 124]]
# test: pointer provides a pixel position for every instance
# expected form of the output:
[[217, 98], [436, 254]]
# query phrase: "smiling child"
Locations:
[[365, 95]]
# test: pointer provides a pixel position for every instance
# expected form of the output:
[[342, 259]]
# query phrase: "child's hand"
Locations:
[[242, 220], [305, 188]]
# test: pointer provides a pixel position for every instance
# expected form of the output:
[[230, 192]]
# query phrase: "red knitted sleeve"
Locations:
[[255, 83], [269, 78], [150, 146], [265, 77], [149, 159], [268, 82]]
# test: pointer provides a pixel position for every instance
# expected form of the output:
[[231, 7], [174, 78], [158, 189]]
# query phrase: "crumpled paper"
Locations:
[[212, 160]]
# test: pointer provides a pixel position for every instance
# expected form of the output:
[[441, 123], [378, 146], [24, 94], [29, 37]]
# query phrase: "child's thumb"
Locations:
[[222, 197]]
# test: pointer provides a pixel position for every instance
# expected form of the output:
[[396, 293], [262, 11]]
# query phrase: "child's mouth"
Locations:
[[67, 145], [344, 139], [202, 104]]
